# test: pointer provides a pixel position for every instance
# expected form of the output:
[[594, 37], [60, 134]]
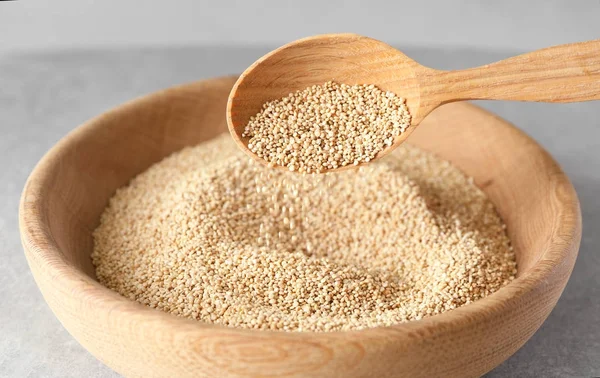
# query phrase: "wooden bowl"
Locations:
[[68, 190]]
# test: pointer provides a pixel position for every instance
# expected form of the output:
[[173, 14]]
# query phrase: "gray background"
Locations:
[[64, 62], [508, 24]]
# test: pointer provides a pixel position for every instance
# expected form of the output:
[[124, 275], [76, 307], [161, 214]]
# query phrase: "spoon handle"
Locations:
[[565, 73]]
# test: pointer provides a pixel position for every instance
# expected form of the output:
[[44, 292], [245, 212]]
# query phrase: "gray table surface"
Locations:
[[45, 95]]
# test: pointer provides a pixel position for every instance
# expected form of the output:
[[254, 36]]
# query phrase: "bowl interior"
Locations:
[[118, 145]]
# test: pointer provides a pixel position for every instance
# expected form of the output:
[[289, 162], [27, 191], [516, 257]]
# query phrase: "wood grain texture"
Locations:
[[71, 185], [564, 73]]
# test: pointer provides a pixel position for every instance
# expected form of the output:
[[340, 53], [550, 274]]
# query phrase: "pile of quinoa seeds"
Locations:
[[327, 126], [210, 235]]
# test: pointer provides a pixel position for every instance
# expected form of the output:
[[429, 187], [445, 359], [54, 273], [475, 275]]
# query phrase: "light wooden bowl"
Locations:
[[68, 190]]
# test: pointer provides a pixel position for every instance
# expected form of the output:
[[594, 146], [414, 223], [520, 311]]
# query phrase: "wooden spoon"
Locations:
[[566, 73]]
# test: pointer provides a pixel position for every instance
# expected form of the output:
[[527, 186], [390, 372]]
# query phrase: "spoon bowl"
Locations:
[[343, 58], [566, 73]]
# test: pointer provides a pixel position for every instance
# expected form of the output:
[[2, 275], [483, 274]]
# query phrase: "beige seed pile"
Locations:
[[208, 235], [327, 126]]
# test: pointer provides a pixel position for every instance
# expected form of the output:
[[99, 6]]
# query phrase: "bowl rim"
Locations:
[[43, 253]]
